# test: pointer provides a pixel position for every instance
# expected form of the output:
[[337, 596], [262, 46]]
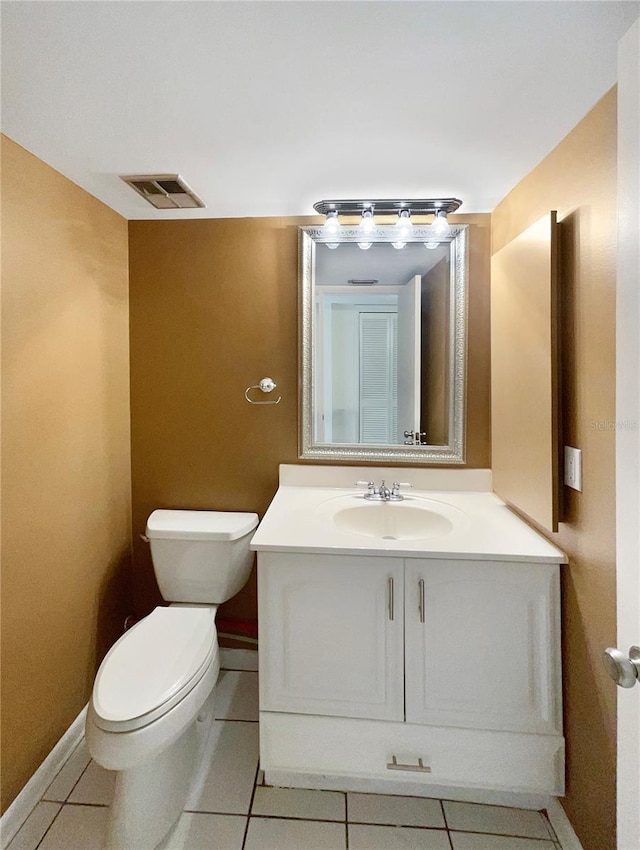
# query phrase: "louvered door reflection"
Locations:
[[378, 377]]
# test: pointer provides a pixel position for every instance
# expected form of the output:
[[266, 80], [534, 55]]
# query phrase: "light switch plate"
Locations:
[[573, 468]]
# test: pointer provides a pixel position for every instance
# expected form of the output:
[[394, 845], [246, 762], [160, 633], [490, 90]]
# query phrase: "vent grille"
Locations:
[[164, 191]]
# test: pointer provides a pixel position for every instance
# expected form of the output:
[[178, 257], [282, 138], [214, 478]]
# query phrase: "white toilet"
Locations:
[[152, 704]]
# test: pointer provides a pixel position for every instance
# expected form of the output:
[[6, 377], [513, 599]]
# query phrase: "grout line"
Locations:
[[503, 835], [235, 720], [48, 828], [550, 828], [208, 812], [75, 784], [216, 814], [89, 805], [403, 825], [346, 819], [296, 818], [444, 814], [253, 794]]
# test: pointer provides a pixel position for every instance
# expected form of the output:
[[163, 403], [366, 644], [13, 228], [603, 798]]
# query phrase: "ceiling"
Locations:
[[266, 107]]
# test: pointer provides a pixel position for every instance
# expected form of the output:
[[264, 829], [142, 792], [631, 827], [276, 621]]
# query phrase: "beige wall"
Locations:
[[434, 416], [578, 179], [65, 452], [214, 309]]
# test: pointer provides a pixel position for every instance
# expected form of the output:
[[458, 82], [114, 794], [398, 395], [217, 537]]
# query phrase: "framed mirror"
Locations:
[[383, 346]]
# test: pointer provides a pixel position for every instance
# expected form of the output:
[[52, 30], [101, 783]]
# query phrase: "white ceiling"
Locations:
[[266, 107]]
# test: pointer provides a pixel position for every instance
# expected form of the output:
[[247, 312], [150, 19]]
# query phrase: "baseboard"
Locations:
[[562, 826], [31, 794], [238, 659]]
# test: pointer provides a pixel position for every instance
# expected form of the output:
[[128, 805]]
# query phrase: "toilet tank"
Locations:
[[201, 556]]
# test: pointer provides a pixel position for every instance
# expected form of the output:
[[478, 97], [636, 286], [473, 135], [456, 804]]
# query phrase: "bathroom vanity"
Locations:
[[409, 646]]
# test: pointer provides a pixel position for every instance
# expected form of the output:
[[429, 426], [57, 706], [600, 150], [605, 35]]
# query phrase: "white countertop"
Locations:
[[300, 519]]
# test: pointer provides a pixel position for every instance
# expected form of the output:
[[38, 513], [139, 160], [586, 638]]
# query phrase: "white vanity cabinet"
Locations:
[[331, 635], [423, 671]]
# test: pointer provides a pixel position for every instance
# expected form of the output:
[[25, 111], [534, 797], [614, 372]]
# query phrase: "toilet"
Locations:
[[151, 709]]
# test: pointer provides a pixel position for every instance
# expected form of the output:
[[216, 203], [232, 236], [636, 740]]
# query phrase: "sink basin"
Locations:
[[393, 521], [411, 519]]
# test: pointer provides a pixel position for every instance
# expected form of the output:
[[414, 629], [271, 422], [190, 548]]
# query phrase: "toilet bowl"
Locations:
[[151, 710]]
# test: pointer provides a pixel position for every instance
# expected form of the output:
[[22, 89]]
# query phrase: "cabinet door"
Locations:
[[331, 635], [483, 645]]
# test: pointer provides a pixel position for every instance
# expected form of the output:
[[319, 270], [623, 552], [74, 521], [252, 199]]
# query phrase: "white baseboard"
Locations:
[[31, 794], [562, 826], [238, 659]]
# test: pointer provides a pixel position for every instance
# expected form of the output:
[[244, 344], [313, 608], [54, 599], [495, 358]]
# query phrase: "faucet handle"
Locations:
[[368, 484], [398, 484]]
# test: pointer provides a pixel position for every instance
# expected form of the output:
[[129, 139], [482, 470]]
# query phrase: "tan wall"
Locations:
[[578, 179], [434, 416], [65, 452], [214, 309]]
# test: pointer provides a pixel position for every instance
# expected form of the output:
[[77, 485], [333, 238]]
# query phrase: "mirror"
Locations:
[[383, 346]]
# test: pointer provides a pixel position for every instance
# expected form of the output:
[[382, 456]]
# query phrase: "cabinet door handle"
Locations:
[[414, 768], [421, 599], [391, 604]]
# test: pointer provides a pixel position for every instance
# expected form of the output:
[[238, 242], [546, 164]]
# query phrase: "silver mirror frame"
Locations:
[[454, 451]]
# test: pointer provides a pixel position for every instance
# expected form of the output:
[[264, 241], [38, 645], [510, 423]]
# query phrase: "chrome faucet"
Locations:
[[382, 493]]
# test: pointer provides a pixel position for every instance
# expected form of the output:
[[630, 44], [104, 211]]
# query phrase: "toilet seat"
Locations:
[[153, 666]]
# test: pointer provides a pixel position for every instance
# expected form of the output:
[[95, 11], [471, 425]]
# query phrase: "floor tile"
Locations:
[[206, 832], [275, 834], [77, 828], [95, 786], [229, 783], [237, 696], [503, 821], [476, 841], [299, 803], [30, 833], [238, 659], [395, 811], [69, 774], [367, 837]]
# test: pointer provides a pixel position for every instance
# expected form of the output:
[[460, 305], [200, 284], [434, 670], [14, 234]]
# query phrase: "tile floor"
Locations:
[[235, 811]]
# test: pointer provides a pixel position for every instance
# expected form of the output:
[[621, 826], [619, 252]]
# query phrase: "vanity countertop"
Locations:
[[480, 527]]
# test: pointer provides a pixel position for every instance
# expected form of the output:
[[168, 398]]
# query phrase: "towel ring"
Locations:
[[266, 385]]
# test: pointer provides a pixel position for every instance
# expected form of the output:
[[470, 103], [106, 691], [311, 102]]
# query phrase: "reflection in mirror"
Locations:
[[383, 348]]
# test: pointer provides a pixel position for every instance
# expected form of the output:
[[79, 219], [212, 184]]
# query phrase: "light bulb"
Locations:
[[431, 245], [404, 227], [367, 224], [398, 245], [364, 246], [440, 225], [331, 226], [332, 245]]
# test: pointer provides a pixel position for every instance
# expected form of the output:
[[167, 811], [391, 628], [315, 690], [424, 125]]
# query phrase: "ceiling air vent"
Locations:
[[164, 191]]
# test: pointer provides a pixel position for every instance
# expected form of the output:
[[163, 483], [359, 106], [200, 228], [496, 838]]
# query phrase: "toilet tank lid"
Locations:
[[200, 525]]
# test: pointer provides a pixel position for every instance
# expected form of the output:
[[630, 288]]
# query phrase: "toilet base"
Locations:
[[149, 798]]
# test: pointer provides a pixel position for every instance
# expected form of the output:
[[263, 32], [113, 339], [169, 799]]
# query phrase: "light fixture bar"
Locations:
[[429, 206]]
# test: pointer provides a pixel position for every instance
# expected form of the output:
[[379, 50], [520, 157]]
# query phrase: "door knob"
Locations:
[[623, 669]]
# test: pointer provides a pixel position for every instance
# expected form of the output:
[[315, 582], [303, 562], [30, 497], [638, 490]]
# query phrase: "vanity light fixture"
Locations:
[[404, 232]]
